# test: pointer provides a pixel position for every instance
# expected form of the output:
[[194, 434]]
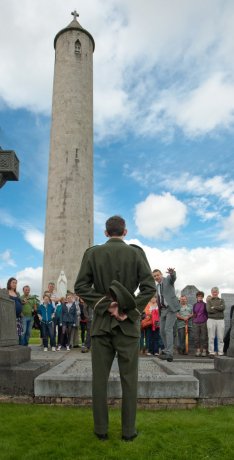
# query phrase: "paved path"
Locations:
[[185, 363]]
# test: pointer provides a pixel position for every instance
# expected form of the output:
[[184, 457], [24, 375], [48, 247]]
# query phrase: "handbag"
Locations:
[[146, 322]]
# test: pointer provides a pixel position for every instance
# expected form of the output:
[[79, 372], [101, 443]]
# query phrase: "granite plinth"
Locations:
[[19, 380], [224, 364], [11, 356], [73, 378], [217, 382], [8, 330]]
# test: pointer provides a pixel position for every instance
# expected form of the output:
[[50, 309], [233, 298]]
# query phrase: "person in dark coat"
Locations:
[[226, 339], [109, 275]]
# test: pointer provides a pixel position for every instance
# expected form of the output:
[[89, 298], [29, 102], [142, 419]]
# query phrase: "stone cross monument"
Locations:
[[69, 216], [9, 166]]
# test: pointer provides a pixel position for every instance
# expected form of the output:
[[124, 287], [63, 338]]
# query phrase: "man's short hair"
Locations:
[[200, 293], [157, 270], [115, 226], [215, 288], [26, 285]]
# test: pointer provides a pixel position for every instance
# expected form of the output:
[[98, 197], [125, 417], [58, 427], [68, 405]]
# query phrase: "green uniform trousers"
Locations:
[[104, 348]]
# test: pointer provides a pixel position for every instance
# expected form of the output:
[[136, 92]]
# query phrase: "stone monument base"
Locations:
[[13, 355], [17, 371], [217, 382]]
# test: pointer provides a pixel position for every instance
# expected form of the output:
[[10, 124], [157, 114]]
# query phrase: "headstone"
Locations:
[[8, 330], [229, 301], [190, 292], [230, 351], [17, 371]]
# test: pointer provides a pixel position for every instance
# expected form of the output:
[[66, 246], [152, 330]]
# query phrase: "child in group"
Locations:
[[215, 324], [69, 318], [58, 322], [46, 314], [146, 324], [155, 341], [200, 325]]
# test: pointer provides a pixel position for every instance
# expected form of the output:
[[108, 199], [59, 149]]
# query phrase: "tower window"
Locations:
[[77, 47]]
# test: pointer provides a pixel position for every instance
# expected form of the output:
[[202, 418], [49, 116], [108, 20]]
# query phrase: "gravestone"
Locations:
[[190, 292], [230, 351], [17, 371], [229, 301], [8, 333]]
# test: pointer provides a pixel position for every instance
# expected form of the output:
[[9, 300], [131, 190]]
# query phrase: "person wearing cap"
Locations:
[[109, 275]]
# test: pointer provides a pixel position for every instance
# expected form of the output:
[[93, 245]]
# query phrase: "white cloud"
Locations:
[[197, 111], [32, 277], [35, 238], [201, 205], [209, 106], [228, 228], [142, 62], [218, 186], [202, 267], [99, 215], [7, 259], [159, 215]]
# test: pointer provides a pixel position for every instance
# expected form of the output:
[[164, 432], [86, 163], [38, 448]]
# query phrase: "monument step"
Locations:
[[19, 380], [72, 378]]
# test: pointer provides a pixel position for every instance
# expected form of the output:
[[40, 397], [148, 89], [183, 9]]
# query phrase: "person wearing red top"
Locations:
[[155, 341]]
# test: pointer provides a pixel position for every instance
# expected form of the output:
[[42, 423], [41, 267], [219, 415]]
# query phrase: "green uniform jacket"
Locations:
[[114, 260]]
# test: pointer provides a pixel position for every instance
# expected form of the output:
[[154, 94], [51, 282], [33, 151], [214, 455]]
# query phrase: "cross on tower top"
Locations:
[[75, 14]]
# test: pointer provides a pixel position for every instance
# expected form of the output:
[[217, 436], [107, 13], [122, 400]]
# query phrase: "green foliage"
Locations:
[[33, 432], [35, 337]]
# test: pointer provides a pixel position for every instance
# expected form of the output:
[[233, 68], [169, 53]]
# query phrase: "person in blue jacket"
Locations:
[[46, 314], [69, 317]]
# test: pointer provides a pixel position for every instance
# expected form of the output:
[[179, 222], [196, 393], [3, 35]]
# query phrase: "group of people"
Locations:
[[58, 319], [109, 276], [199, 326], [203, 323]]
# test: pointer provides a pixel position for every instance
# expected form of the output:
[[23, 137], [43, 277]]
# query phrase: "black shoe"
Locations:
[[163, 356], [129, 438], [166, 358], [102, 437]]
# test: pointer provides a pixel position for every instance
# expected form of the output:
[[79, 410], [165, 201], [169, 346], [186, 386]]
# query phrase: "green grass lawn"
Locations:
[[32, 432], [35, 337]]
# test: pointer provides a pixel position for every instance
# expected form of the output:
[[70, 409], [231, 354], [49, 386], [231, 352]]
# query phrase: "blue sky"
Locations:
[[163, 130]]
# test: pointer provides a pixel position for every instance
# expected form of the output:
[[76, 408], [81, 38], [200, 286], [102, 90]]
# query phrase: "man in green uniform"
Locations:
[[108, 277]]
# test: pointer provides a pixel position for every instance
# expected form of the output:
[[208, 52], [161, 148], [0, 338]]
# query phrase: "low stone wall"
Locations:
[[146, 403]]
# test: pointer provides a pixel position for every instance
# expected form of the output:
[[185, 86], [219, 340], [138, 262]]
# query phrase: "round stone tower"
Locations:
[[69, 215]]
